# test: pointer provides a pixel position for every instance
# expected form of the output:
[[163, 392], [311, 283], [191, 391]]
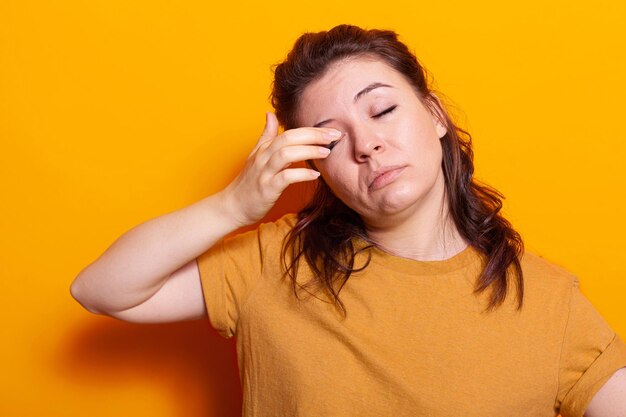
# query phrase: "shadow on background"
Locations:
[[190, 360]]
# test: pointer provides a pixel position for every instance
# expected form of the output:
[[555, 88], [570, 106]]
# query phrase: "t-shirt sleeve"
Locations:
[[591, 354], [230, 270]]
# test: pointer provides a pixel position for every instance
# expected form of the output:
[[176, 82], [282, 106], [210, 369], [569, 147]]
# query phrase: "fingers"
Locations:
[[306, 136], [287, 155], [298, 145], [299, 136], [293, 175], [268, 169], [272, 146]]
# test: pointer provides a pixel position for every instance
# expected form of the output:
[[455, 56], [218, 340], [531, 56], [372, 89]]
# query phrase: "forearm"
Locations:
[[139, 262]]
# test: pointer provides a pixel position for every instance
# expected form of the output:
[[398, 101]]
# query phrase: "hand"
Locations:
[[267, 174]]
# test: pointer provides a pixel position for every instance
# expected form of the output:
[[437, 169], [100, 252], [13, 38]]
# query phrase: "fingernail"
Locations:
[[324, 151], [333, 134]]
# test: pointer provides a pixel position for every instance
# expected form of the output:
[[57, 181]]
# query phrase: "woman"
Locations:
[[398, 290]]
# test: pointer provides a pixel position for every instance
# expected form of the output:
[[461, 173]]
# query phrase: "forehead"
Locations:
[[352, 73], [343, 80]]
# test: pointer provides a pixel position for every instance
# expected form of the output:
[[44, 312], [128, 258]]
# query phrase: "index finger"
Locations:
[[307, 136]]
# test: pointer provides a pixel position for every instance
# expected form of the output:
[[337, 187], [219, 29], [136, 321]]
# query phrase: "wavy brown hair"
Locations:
[[328, 234]]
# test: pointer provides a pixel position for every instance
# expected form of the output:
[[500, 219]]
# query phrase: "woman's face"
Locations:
[[387, 166]]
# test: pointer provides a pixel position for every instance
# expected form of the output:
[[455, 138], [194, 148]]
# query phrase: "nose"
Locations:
[[366, 143]]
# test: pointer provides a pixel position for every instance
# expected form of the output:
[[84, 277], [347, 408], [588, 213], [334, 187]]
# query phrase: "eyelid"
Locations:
[[384, 112]]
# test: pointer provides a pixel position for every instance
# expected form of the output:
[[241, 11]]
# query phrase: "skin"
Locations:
[[150, 274], [610, 400], [385, 125]]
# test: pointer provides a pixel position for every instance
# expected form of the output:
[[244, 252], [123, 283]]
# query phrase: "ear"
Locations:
[[437, 111]]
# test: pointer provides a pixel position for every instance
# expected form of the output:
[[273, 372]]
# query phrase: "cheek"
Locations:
[[431, 159], [435, 151], [427, 147], [340, 180]]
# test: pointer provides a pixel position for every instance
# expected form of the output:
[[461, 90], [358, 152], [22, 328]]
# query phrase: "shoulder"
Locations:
[[538, 265], [282, 225], [257, 239], [545, 280], [267, 229], [271, 234], [274, 232]]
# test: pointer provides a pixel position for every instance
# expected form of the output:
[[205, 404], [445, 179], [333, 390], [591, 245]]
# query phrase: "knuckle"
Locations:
[[262, 180], [284, 175], [288, 136], [284, 153], [278, 179]]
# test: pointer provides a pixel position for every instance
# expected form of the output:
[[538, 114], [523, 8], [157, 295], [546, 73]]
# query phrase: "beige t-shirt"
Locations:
[[415, 340]]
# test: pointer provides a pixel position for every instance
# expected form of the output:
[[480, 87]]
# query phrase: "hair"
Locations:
[[328, 234]]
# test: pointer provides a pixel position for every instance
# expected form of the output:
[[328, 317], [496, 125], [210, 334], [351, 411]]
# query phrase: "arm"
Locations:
[[154, 260], [610, 401], [150, 274]]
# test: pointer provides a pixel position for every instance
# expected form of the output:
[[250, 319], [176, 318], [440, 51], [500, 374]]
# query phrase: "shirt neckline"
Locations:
[[467, 257]]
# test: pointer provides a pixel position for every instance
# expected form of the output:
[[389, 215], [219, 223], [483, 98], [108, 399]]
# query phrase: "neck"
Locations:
[[428, 234]]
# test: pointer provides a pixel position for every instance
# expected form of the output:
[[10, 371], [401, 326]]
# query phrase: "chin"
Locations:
[[397, 200]]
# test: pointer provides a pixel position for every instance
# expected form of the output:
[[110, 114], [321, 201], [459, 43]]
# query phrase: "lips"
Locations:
[[384, 176]]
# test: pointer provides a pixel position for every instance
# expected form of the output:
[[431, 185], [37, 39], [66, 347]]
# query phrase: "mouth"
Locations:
[[383, 176]]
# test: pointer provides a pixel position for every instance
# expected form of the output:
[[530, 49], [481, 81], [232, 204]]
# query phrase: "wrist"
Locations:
[[229, 210]]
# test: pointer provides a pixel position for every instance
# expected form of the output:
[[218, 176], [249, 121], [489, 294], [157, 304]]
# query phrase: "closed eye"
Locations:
[[384, 112]]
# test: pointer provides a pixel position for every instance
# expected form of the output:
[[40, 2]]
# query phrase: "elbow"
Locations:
[[78, 293]]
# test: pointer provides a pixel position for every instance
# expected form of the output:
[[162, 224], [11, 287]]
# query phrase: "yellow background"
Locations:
[[113, 112]]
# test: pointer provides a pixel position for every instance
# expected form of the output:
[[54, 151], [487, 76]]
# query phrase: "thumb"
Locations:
[[269, 132], [271, 127]]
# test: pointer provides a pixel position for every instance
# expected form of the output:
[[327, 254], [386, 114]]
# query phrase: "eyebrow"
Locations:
[[358, 95]]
